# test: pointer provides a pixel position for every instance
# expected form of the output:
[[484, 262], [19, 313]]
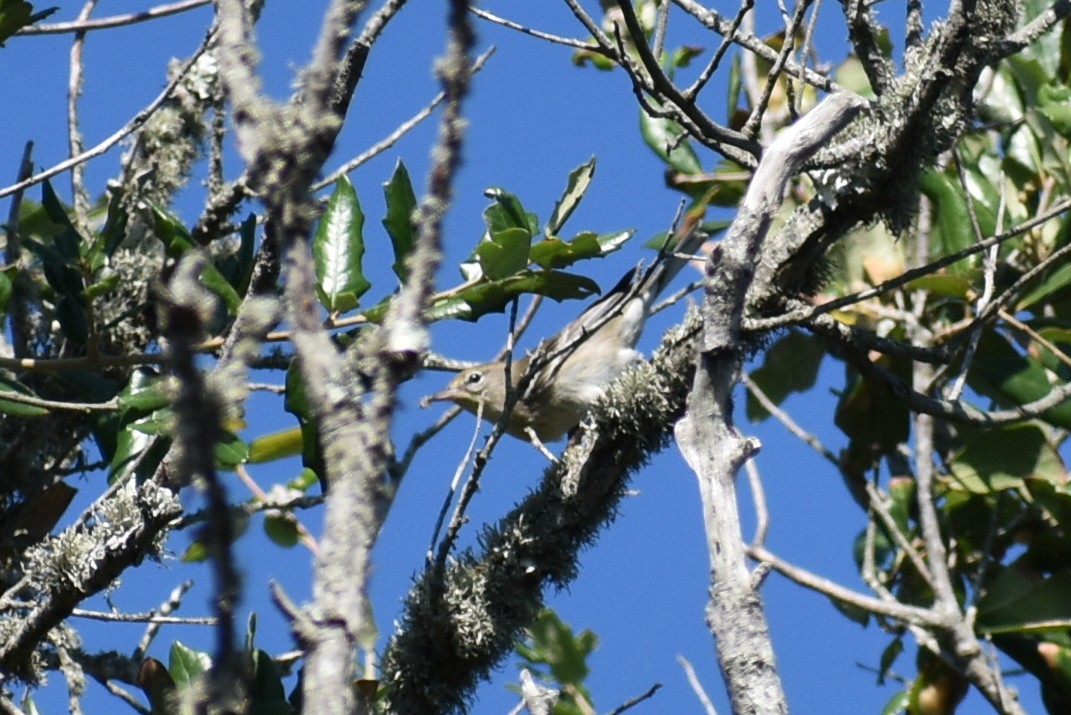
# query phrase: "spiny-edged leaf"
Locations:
[[492, 297], [338, 248], [401, 203], [998, 459], [667, 140], [275, 446], [230, 451], [791, 365], [555, 253], [186, 665], [281, 528], [1011, 378], [579, 180], [504, 252], [507, 211], [1022, 600], [18, 409], [555, 644]]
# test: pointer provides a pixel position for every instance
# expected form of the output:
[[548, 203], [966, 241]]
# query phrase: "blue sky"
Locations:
[[533, 117]]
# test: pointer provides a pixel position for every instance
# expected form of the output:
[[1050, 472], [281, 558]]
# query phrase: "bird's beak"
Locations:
[[448, 394]]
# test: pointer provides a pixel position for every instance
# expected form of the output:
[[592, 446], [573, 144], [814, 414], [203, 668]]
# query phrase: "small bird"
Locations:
[[571, 369]]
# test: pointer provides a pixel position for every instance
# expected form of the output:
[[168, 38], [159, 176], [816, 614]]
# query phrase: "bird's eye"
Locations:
[[474, 378]]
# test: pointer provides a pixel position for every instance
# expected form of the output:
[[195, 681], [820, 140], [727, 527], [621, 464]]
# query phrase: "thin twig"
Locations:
[[130, 127], [697, 687], [104, 23]]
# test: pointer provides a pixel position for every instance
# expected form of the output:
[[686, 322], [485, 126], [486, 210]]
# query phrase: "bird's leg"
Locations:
[[538, 444]]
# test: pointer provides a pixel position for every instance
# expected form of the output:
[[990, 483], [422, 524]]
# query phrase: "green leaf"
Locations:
[[994, 460], [17, 14], [897, 704], [230, 451], [186, 665], [1011, 378], [953, 230], [1054, 101], [338, 248], [579, 180], [145, 392], [282, 528], [6, 286], [401, 205], [1019, 600], [172, 232], [504, 252], [266, 687], [790, 365], [555, 253], [102, 287], [237, 268], [1052, 283], [507, 211], [18, 409], [666, 139], [275, 446], [477, 300]]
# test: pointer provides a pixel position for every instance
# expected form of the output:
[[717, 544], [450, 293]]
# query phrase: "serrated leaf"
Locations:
[[401, 203], [504, 252], [555, 253], [477, 300], [579, 180], [507, 211], [666, 139], [338, 249]]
